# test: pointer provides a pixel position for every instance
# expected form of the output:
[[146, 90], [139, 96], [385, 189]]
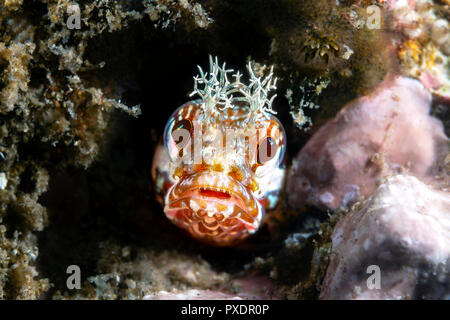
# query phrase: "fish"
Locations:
[[220, 165]]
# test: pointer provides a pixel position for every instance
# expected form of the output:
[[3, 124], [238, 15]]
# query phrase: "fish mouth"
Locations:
[[213, 208]]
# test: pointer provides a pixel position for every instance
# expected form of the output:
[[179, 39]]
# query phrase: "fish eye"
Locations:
[[177, 137], [266, 150], [180, 136], [184, 124]]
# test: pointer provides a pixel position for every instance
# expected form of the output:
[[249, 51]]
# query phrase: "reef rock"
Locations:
[[192, 294], [252, 287], [395, 245], [424, 45], [375, 136]]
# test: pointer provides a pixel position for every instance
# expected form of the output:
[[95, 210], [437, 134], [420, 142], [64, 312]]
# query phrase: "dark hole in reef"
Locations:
[[3, 65], [34, 10], [73, 234], [37, 77], [291, 263], [113, 199], [13, 221], [27, 182]]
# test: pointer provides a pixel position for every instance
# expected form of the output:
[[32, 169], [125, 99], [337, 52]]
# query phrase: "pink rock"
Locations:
[[251, 287], [374, 136], [404, 230], [429, 81], [192, 294], [254, 287]]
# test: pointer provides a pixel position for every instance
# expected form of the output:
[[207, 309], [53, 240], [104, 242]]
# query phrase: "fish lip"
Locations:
[[233, 198], [193, 194], [202, 181], [240, 197]]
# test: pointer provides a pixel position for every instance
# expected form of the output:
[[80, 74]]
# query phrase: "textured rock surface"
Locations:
[[404, 229], [384, 133], [53, 114], [425, 43], [132, 273], [192, 294], [248, 288]]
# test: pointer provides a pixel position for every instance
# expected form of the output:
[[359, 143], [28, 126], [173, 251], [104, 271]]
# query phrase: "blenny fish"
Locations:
[[219, 167]]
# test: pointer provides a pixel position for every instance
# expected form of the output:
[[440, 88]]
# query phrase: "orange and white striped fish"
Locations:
[[220, 165]]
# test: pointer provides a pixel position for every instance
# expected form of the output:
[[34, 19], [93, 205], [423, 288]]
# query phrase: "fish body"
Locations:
[[222, 199], [219, 167]]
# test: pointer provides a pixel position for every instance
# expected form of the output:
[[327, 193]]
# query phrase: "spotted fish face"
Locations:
[[217, 174], [220, 165]]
